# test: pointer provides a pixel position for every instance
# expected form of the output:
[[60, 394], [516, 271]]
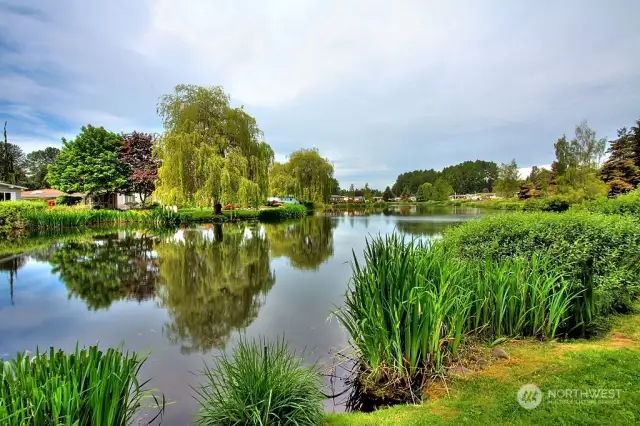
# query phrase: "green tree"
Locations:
[[564, 155], [11, 162], [210, 152], [425, 192], [89, 163], [312, 175], [620, 172], [37, 165], [387, 194], [366, 192], [508, 181], [281, 182], [441, 190], [352, 190], [334, 186]]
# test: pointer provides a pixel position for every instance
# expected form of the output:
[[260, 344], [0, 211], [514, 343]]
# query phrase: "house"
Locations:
[[358, 199], [339, 199], [102, 200], [413, 199], [378, 199], [290, 199], [10, 192]]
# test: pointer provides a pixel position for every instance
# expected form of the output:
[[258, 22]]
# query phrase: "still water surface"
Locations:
[[184, 295]]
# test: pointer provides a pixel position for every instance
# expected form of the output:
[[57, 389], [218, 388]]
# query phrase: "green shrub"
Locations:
[[290, 211], [627, 204], [12, 213], [599, 254], [86, 387], [260, 384], [409, 305], [549, 204], [67, 200]]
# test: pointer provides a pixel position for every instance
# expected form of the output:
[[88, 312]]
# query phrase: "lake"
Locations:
[[184, 295]]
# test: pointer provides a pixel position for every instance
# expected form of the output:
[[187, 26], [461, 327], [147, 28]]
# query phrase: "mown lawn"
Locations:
[[490, 396]]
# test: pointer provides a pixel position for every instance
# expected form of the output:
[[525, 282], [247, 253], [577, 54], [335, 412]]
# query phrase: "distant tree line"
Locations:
[[576, 172]]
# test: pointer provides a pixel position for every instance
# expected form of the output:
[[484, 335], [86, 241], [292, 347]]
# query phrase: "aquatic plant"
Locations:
[[261, 383], [410, 304], [86, 387]]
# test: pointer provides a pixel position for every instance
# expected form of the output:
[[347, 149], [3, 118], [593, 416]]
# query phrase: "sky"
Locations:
[[378, 87]]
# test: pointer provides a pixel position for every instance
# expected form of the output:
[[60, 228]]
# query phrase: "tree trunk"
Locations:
[[217, 208]]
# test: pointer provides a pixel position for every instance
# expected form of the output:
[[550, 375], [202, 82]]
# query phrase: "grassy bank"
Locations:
[[86, 387], [20, 215], [489, 395]]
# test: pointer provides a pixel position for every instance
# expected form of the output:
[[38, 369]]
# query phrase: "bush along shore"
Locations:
[[15, 215]]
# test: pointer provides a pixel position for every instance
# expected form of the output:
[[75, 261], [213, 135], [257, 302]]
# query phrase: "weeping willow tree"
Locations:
[[306, 175], [213, 282], [210, 152]]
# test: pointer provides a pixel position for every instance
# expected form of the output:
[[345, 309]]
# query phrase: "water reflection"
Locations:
[[213, 281], [11, 266], [104, 269], [307, 243]]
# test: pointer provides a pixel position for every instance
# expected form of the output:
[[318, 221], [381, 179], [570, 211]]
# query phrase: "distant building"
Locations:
[[413, 199], [339, 199], [358, 199], [10, 192], [290, 199], [378, 199]]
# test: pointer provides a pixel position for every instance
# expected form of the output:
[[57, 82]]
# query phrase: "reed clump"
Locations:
[[410, 304], [262, 383], [82, 388]]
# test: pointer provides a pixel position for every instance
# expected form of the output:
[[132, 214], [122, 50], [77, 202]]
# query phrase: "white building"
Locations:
[[9, 192]]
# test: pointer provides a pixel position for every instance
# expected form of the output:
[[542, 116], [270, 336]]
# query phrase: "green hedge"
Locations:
[[291, 211], [599, 252]]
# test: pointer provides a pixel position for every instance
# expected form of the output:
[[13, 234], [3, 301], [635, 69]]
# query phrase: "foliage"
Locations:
[[621, 171], [89, 163], [86, 387], [210, 152], [11, 162], [142, 165], [306, 175], [387, 195], [548, 204], [262, 383], [12, 213], [212, 283], [410, 304], [289, 211], [508, 180], [467, 177], [577, 163], [441, 190], [37, 164], [626, 204], [67, 200], [425, 192], [599, 254]]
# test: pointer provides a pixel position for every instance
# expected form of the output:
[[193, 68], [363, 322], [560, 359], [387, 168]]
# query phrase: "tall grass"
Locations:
[[410, 304], [260, 384], [86, 387]]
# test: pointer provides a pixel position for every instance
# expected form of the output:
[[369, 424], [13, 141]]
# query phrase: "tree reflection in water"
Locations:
[[11, 266], [213, 281], [307, 243], [106, 268]]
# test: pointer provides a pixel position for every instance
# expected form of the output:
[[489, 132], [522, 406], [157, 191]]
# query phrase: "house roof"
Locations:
[[47, 193], [10, 185]]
